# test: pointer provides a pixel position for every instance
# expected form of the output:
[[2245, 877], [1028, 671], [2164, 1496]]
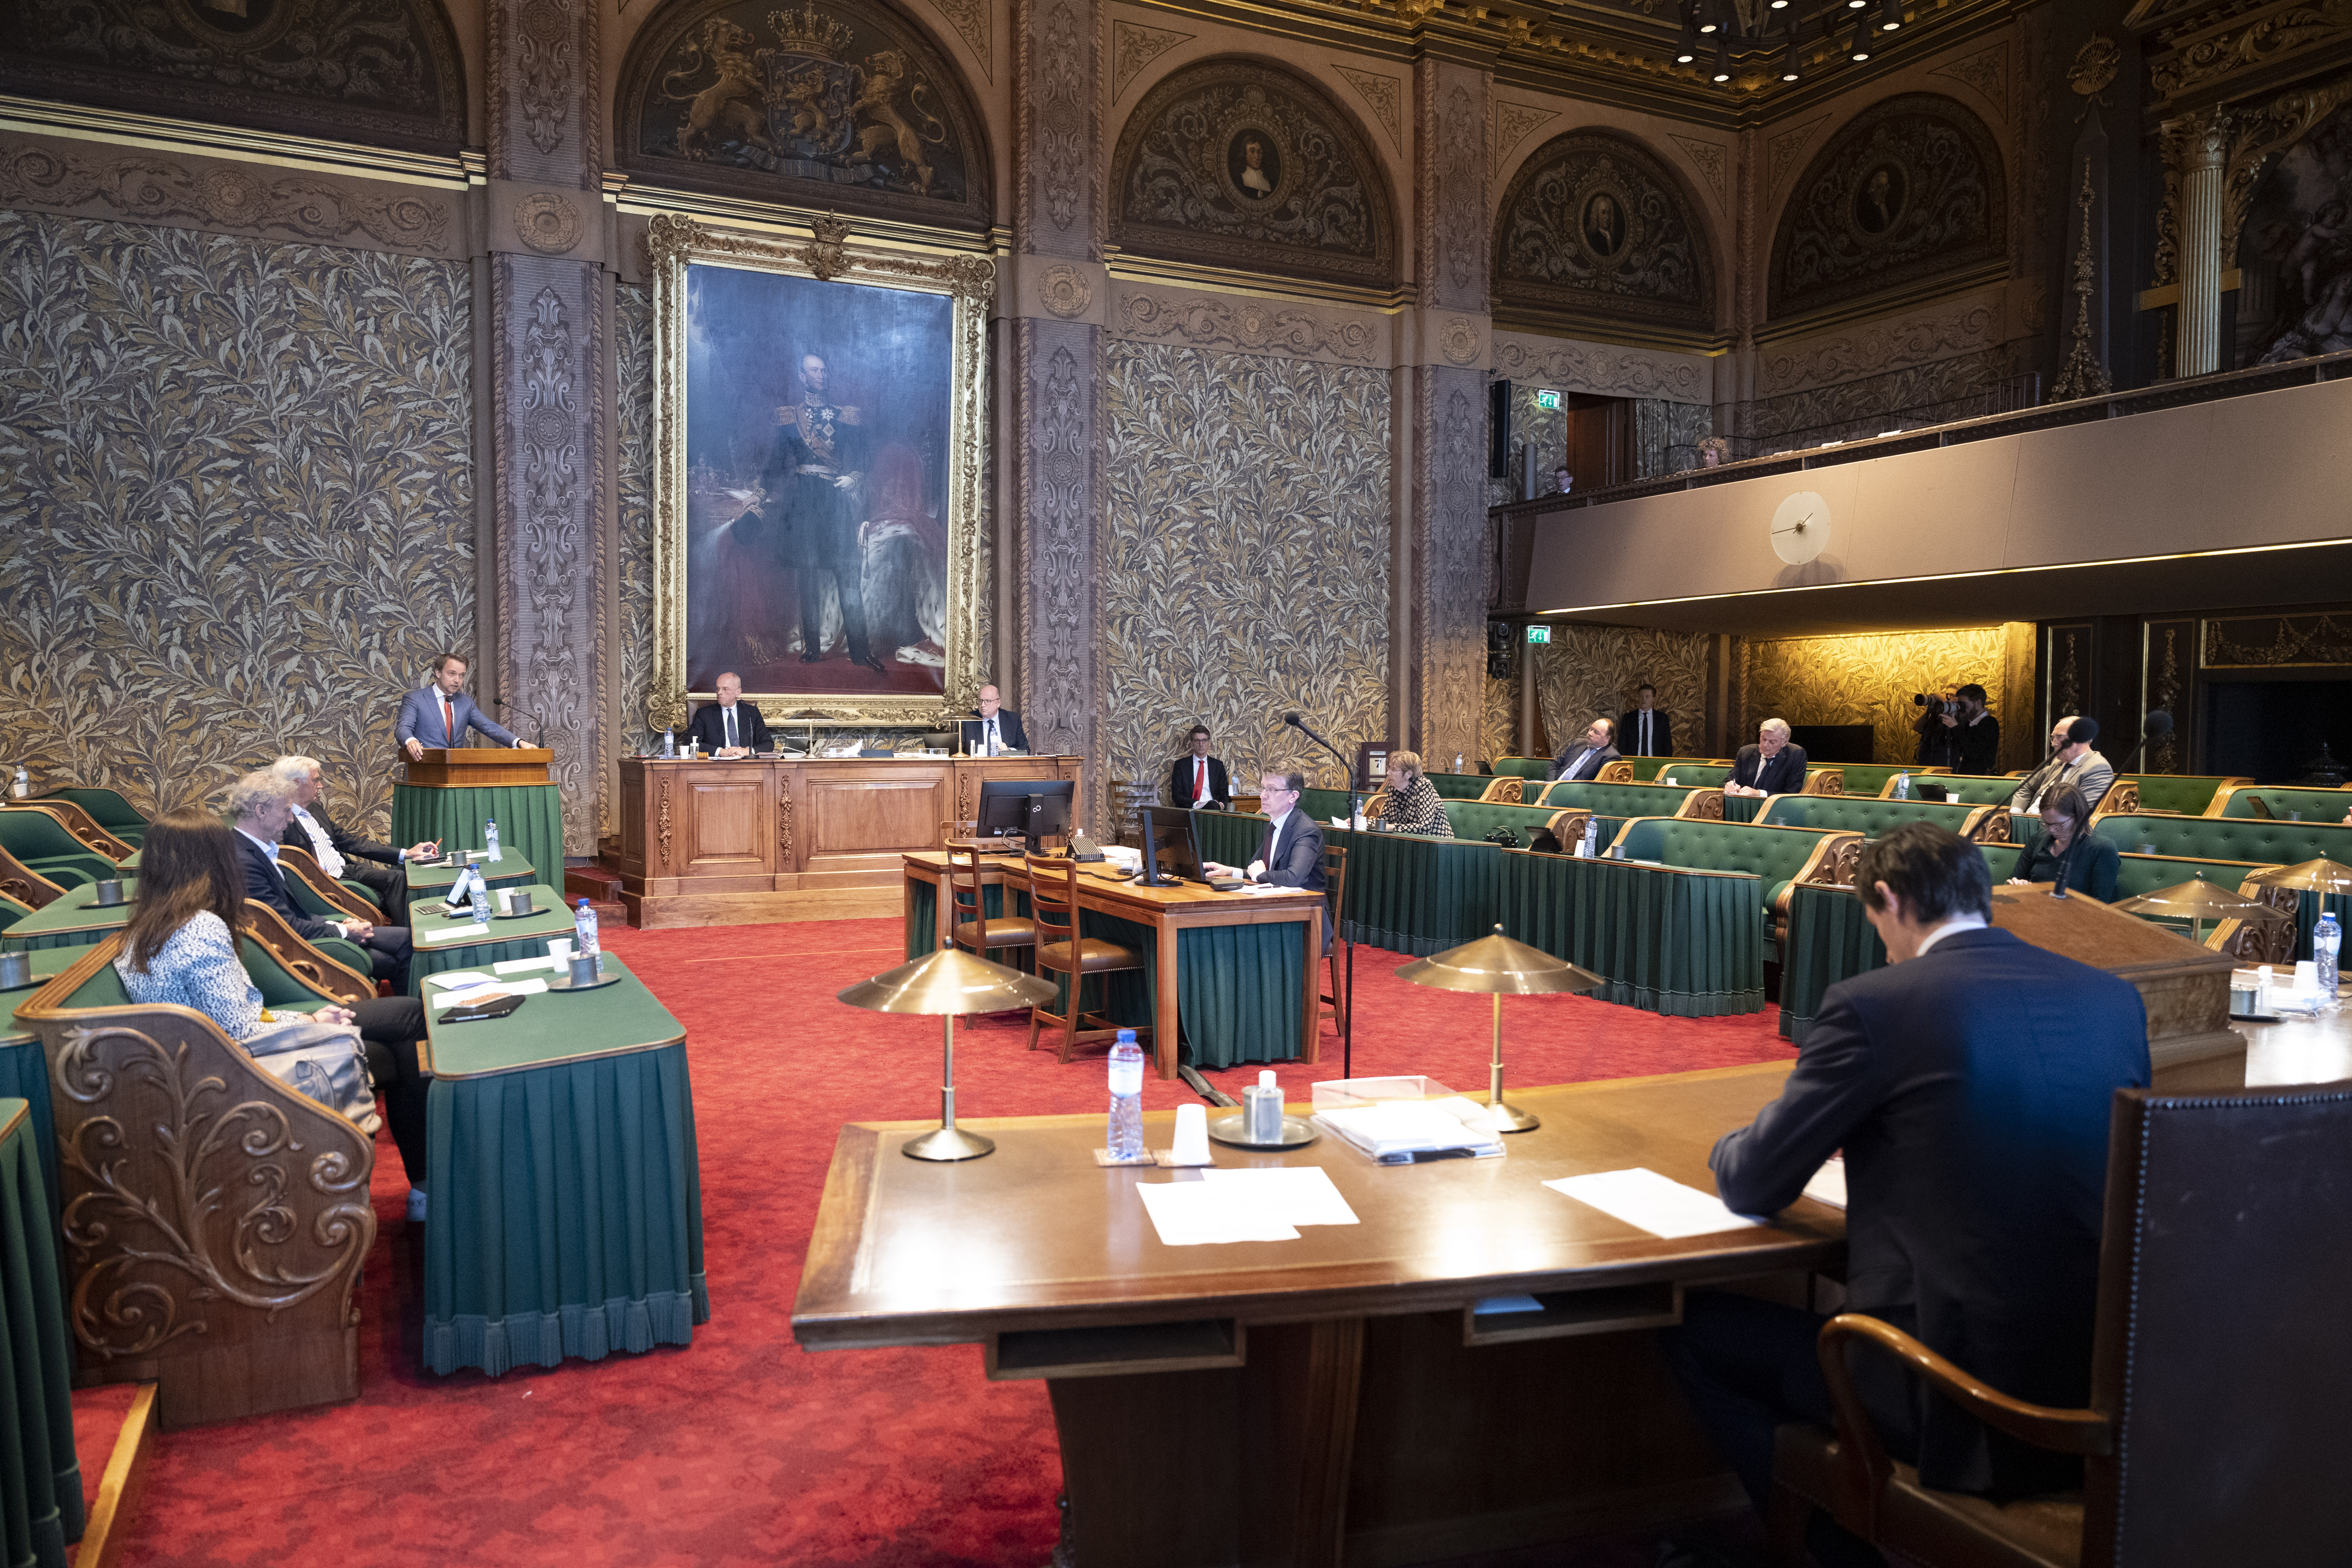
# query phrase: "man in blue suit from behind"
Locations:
[[1969, 1083], [441, 713]]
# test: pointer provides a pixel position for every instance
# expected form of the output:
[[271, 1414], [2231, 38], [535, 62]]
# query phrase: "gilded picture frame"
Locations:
[[684, 569]]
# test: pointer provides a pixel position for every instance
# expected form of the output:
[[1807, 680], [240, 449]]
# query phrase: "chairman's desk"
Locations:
[[1332, 1398], [705, 842], [1167, 914]]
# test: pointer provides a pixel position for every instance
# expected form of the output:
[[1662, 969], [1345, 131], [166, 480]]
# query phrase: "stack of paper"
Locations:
[[470, 990], [472, 931], [1648, 1201], [1243, 1205], [1828, 1185], [1397, 1131]]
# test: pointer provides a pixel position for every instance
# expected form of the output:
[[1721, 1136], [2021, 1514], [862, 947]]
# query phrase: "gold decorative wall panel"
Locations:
[[238, 483], [1586, 672], [1499, 720], [1246, 566], [1870, 681]]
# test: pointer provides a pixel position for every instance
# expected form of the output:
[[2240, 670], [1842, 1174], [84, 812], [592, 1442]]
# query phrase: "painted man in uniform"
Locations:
[[815, 480]]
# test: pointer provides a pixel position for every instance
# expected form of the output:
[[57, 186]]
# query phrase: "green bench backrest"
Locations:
[[28, 833], [1648, 768], [2188, 794], [2316, 804], [2228, 839], [1618, 799], [103, 989], [1460, 786], [1524, 767], [279, 989], [1773, 854], [1698, 775], [1869, 778], [109, 810], [2137, 874], [2000, 859], [1860, 813], [1968, 789]]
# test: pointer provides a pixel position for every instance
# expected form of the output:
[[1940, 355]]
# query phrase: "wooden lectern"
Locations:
[[2185, 987], [472, 767]]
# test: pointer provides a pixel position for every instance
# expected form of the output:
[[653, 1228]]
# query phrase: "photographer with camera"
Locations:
[[1956, 732]]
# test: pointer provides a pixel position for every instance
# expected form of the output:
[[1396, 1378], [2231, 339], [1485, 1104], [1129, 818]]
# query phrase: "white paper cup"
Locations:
[[2307, 974], [560, 949], [1191, 1145]]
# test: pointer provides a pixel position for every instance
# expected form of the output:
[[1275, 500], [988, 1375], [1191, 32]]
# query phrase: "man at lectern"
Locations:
[[729, 727], [441, 713]]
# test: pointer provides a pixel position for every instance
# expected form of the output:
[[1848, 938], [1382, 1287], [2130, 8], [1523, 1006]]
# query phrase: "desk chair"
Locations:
[[969, 924], [1335, 875], [2217, 1424], [1054, 905]]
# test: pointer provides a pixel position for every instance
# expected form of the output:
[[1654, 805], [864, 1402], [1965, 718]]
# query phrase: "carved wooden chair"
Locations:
[[214, 1219], [336, 900], [1824, 780], [1504, 789], [84, 827], [1617, 771], [330, 973], [1061, 950], [27, 886], [2216, 1425], [969, 924]]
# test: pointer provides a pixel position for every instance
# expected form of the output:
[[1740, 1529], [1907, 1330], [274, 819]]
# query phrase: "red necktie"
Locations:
[[1199, 781], [448, 720]]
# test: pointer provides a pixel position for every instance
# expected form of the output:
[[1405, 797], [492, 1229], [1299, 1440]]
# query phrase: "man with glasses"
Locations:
[[1291, 854]]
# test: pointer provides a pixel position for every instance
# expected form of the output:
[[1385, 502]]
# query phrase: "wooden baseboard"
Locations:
[[119, 1489], [655, 912], [1519, 1529]]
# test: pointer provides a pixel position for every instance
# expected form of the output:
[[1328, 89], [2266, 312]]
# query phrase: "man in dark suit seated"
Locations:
[[1585, 759], [1968, 1083], [1770, 766], [1291, 853], [729, 727], [259, 807], [341, 853], [1198, 779], [995, 731], [1646, 732]]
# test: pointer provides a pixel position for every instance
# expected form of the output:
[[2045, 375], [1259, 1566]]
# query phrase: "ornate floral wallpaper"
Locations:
[[1240, 164], [1498, 720], [1246, 571], [1594, 228], [1587, 672], [633, 381], [1867, 680], [238, 483]]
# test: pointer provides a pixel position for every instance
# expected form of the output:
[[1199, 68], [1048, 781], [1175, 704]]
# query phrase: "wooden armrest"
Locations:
[[314, 877], [2062, 1431]]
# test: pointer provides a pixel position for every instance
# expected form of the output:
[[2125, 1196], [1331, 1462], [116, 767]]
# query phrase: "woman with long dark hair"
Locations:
[[181, 948]]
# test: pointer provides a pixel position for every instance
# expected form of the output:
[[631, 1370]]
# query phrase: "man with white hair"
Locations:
[[259, 806], [1770, 766], [343, 854]]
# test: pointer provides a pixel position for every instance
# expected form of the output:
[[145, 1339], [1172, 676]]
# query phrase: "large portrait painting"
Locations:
[[816, 481]]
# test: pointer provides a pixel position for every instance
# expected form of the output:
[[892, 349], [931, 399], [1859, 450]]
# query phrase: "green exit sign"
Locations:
[[1538, 634], [1546, 398]]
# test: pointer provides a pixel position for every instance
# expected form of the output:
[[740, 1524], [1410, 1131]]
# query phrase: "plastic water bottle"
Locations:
[[1126, 1135], [1903, 787], [670, 743], [491, 837], [1592, 836], [2326, 940], [21, 786], [1457, 761], [481, 900], [584, 927]]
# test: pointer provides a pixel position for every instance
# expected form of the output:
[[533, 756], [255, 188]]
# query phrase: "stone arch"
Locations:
[[1911, 189], [383, 72], [841, 105], [1596, 229], [1311, 200]]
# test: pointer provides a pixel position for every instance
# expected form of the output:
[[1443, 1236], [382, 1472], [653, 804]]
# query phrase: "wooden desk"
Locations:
[[1330, 1398], [758, 838], [1168, 912]]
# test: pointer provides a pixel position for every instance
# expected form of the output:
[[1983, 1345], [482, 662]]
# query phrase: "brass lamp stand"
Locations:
[[947, 982], [1499, 966], [2197, 902]]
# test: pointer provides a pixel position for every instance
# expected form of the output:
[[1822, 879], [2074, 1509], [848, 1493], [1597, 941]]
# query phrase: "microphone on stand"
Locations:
[[2156, 727], [1339, 917], [525, 713]]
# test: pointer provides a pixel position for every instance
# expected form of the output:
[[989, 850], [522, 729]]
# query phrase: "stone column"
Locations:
[[1051, 304], [549, 307], [2204, 146], [1441, 648]]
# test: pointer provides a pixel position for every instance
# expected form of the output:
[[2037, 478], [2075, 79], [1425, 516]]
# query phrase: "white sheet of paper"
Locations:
[[457, 979], [468, 933], [1297, 1195], [466, 995], [518, 965], [1198, 1214], [1828, 1185], [1643, 1198]]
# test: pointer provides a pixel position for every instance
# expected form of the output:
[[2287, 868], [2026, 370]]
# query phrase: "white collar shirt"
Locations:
[[1957, 923], [1273, 836], [331, 859]]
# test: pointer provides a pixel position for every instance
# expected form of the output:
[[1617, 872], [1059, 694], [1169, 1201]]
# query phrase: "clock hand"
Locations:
[[1795, 527]]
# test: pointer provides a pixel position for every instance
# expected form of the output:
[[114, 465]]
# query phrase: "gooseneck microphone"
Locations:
[[518, 709], [2156, 727]]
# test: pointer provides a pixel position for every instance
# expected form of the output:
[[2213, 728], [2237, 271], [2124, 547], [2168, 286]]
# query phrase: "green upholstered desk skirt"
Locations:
[[530, 819], [1684, 945], [566, 1191], [72, 919], [1743, 807], [1238, 988], [1829, 941], [40, 1479]]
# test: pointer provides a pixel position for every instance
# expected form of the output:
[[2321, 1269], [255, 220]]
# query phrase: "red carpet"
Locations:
[[742, 1449]]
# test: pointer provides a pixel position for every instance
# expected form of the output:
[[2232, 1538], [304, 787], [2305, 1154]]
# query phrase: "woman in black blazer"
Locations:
[[2066, 820]]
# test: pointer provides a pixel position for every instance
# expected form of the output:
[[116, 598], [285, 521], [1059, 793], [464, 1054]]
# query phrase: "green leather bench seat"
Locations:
[[1698, 775], [1774, 856], [104, 988], [109, 810], [2137, 874], [1647, 769], [40, 843], [1865, 814], [1475, 819], [1965, 789], [2316, 804], [1460, 786], [1619, 800], [2000, 859], [2228, 838], [2187, 794], [1869, 778]]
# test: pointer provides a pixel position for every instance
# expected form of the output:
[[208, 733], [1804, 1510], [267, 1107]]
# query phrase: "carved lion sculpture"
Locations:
[[733, 103], [889, 98]]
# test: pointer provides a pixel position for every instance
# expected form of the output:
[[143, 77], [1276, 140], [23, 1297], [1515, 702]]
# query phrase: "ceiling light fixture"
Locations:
[[1890, 16], [1859, 50], [1722, 59], [1790, 68], [1689, 49], [1709, 24]]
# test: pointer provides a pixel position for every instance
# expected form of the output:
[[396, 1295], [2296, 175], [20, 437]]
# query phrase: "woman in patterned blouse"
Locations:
[[181, 947], [1412, 805]]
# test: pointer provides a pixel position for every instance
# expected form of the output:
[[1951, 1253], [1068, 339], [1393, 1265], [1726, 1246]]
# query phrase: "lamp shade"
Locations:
[[950, 981], [1498, 966]]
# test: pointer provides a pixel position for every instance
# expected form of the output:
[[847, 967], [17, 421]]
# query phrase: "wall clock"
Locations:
[[1800, 528]]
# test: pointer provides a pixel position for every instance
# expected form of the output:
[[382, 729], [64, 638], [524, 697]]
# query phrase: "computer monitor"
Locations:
[[1169, 847], [1032, 808]]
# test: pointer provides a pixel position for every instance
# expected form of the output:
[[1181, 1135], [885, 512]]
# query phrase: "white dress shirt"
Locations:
[[1957, 922], [331, 859], [1273, 843], [342, 927]]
